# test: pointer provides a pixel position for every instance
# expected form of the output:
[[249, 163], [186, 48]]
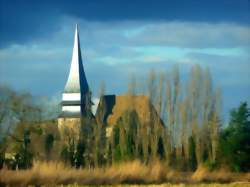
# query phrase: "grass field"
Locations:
[[54, 174], [191, 185], [162, 185]]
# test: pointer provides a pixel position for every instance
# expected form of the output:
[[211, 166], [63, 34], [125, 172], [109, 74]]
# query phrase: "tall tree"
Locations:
[[194, 93], [169, 146], [235, 140], [176, 93], [184, 131], [49, 141], [99, 132], [156, 128], [215, 125]]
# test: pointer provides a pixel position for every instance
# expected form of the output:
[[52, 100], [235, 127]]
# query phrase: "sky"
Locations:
[[119, 38]]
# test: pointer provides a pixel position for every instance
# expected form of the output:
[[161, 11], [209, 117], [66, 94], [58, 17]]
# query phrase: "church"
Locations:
[[76, 101]]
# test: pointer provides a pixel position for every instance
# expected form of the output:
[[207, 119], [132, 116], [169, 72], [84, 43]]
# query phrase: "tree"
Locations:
[[49, 141], [116, 150], [131, 133], [192, 154], [175, 109], [145, 142], [87, 129], [160, 148], [101, 89], [131, 92], [100, 129], [169, 134], [151, 86], [24, 157], [65, 153], [2, 152], [79, 158], [194, 94], [70, 137], [184, 134], [214, 124], [235, 140], [156, 120]]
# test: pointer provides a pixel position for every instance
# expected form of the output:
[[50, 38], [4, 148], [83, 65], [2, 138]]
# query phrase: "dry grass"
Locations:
[[221, 175], [52, 173], [172, 185]]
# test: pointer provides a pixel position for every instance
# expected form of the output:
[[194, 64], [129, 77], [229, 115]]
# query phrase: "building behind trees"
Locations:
[[174, 120]]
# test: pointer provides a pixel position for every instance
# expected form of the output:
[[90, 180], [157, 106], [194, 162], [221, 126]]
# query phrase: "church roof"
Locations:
[[112, 107], [77, 82]]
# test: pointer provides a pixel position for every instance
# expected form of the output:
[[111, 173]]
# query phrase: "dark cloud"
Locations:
[[28, 20], [24, 21]]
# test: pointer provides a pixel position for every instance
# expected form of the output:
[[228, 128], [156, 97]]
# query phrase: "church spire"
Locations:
[[76, 92], [77, 82]]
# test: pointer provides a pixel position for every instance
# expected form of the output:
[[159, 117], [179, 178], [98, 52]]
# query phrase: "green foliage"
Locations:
[[124, 136], [235, 140], [109, 154], [65, 154], [131, 132], [116, 137], [71, 151], [192, 156], [24, 157], [117, 154], [1, 160], [49, 140], [160, 148], [116, 145], [79, 159], [210, 165], [2, 151], [127, 139]]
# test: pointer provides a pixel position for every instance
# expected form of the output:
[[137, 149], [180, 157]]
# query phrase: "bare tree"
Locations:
[[184, 128], [214, 123], [175, 109], [131, 92], [169, 120], [99, 130], [156, 128], [152, 86], [194, 93]]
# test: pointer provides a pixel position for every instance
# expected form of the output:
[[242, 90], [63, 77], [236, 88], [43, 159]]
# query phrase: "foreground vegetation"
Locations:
[[51, 173], [180, 140], [162, 185], [174, 185]]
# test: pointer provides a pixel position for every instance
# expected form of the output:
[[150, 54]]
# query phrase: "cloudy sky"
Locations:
[[123, 37]]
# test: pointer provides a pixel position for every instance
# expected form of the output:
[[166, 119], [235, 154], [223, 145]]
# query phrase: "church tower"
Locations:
[[76, 98]]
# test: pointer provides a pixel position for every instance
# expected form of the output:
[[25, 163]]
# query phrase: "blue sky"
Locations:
[[123, 37]]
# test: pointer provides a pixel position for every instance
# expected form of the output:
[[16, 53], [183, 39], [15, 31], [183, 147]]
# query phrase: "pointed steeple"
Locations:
[[77, 82], [76, 95]]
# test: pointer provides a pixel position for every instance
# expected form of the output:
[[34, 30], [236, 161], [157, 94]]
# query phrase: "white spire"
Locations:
[[76, 27], [76, 82]]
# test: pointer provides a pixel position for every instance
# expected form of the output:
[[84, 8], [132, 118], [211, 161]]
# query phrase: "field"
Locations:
[[177, 185], [126, 174], [163, 185]]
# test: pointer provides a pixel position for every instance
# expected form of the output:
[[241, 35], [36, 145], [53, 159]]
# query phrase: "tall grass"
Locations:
[[163, 185], [55, 173]]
